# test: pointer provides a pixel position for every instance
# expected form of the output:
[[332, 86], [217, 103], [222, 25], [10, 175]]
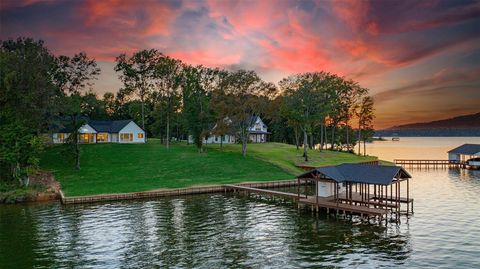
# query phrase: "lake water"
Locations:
[[224, 231]]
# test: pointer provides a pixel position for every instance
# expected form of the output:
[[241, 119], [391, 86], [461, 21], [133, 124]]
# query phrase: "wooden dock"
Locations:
[[332, 205], [246, 189], [169, 192], [376, 206], [429, 163]]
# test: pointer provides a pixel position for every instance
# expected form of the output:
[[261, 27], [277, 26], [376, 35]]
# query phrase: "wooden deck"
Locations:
[[403, 200], [357, 197], [326, 203], [330, 204]]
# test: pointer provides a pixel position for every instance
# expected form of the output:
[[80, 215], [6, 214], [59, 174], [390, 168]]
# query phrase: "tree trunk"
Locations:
[[77, 156], [295, 130], [359, 140], [364, 148], [221, 142], [168, 131], [321, 137], [326, 136], [305, 144], [333, 137], [244, 141], [311, 141], [76, 148], [244, 147], [143, 113], [347, 135]]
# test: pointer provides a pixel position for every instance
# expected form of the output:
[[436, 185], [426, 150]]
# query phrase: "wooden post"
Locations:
[[408, 197], [298, 189], [368, 195]]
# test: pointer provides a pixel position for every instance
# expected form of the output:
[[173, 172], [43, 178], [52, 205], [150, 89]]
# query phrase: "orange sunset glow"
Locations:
[[420, 59]]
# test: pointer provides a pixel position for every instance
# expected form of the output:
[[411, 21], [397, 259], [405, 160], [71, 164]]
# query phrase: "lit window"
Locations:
[[86, 138], [102, 137], [126, 137], [61, 137], [140, 135]]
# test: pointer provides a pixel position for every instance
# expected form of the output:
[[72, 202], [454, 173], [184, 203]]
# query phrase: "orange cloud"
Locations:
[[149, 18]]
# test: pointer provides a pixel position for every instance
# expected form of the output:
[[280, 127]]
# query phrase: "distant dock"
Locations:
[[430, 163], [465, 156]]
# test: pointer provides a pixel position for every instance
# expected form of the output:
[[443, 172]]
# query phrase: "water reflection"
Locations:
[[209, 231]]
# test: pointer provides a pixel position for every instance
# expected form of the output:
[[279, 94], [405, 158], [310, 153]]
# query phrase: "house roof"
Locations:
[[104, 126], [466, 149], [359, 173], [108, 126]]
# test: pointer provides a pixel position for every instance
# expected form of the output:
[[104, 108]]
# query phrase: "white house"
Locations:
[[117, 131], [257, 128]]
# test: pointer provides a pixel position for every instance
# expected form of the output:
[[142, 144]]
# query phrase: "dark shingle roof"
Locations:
[[466, 149], [360, 173], [108, 126]]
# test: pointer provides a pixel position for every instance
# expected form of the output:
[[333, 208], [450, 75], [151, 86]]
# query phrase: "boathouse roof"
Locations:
[[466, 149], [359, 173]]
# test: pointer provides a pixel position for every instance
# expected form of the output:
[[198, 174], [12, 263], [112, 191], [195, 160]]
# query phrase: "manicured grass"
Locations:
[[120, 168], [287, 156]]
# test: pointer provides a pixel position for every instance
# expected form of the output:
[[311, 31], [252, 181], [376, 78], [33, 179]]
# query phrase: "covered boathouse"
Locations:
[[357, 189], [466, 154]]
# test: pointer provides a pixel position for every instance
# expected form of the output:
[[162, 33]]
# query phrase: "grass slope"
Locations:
[[287, 156], [119, 168]]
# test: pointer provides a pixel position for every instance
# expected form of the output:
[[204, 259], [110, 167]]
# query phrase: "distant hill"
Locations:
[[471, 121], [467, 125]]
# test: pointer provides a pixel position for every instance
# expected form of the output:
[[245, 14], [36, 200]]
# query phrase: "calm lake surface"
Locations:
[[224, 231]]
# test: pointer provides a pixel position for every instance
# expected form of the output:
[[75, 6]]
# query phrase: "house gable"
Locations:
[[87, 129], [258, 124], [138, 135]]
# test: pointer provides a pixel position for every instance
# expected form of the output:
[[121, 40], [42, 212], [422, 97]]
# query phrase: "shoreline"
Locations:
[[169, 192]]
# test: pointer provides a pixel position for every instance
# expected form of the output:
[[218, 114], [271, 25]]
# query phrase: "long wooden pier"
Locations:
[[429, 163], [169, 192], [260, 191]]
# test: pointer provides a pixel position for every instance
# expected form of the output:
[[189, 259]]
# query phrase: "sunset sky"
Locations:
[[420, 59]]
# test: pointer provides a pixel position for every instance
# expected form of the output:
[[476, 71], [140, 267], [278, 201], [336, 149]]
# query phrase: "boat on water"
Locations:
[[395, 137], [474, 163]]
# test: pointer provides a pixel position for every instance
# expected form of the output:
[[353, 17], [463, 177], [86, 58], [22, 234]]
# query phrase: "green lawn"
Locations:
[[120, 168], [286, 156]]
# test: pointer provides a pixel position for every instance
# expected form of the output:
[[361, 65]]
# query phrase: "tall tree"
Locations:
[[246, 93], [365, 115], [305, 98], [167, 78], [221, 109], [136, 73], [74, 76], [196, 93], [27, 98]]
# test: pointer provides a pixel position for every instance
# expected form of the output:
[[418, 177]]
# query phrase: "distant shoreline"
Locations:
[[458, 132]]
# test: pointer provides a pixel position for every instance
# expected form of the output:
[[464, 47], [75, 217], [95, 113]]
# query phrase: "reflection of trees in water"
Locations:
[[211, 230]]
